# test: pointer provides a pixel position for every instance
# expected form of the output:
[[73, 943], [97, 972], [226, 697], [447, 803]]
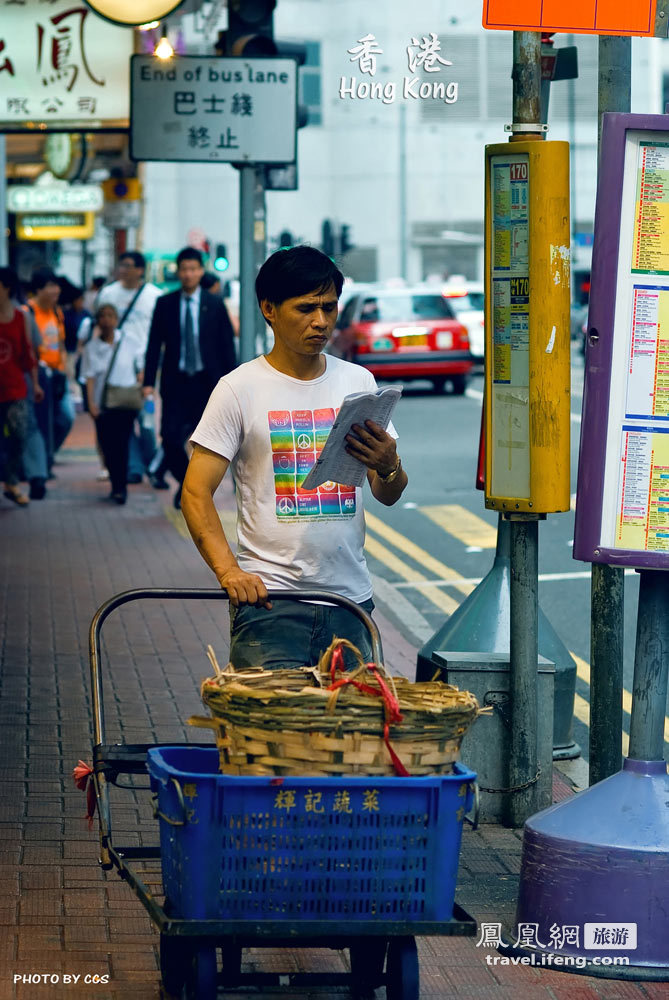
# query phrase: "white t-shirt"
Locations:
[[138, 323], [97, 356], [271, 427]]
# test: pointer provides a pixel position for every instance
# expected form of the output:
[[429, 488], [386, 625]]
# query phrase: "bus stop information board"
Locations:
[[511, 321], [622, 514], [210, 109], [600, 17], [527, 327]]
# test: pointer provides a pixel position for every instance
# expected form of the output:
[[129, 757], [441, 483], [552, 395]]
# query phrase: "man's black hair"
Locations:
[[189, 253], [41, 277], [208, 280], [296, 271], [9, 279], [98, 281], [106, 305], [138, 259]]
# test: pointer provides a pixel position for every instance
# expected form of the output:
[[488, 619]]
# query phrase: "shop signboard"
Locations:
[[62, 67]]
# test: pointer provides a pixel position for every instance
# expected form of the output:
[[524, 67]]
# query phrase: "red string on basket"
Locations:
[[390, 702], [83, 779]]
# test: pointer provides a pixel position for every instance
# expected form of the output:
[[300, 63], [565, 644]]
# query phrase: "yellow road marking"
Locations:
[[414, 551], [175, 517], [582, 709], [228, 519], [469, 528], [393, 562], [583, 671]]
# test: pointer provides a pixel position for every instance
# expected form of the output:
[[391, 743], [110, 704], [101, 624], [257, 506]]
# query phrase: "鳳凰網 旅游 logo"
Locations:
[[423, 57]]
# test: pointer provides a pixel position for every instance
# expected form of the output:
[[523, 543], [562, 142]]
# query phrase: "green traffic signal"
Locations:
[[221, 262]]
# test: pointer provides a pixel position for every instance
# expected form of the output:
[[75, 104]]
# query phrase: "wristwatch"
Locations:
[[393, 474]]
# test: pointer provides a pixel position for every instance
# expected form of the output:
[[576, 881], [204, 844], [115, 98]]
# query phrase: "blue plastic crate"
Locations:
[[306, 848]]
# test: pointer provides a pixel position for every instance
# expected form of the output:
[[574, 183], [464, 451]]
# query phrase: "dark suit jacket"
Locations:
[[217, 347]]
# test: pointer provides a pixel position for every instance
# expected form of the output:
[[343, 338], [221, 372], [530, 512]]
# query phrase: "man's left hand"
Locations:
[[372, 446]]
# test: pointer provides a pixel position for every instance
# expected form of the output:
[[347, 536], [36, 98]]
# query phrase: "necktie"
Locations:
[[189, 337]]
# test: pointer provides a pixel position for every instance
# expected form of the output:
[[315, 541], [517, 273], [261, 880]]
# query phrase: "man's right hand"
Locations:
[[147, 391], [245, 588]]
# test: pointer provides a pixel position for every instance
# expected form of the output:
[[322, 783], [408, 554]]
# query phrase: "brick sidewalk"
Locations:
[[59, 914]]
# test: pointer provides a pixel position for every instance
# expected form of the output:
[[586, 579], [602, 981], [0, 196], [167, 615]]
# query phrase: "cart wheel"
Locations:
[[232, 962], [201, 975], [367, 958], [174, 961], [402, 970]]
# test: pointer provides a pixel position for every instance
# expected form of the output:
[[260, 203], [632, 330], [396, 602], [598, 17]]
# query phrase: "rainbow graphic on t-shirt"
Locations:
[[297, 438]]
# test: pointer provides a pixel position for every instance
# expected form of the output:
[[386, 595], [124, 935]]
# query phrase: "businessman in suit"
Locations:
[[192, 341]]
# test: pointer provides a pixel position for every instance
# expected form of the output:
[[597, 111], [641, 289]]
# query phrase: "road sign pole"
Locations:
[[651, 668], [259, 247], [3, 202], [608, 582], [524, 580], [247, 299]]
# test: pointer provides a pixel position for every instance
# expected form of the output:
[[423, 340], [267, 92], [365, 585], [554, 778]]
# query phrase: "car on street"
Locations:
[[466, 299], [405, 333]]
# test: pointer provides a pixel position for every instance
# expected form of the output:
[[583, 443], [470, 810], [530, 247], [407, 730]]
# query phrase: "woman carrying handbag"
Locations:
[[113, 372]]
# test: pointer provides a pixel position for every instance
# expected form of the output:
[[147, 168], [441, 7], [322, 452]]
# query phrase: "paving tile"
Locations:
[[74, 916]]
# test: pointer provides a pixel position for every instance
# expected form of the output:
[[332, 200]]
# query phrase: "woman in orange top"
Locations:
[[49, 320]]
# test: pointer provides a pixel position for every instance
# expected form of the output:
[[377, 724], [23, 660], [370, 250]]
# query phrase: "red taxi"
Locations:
[[405, 334]]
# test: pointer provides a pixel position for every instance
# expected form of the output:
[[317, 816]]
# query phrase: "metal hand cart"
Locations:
[[345, 897]]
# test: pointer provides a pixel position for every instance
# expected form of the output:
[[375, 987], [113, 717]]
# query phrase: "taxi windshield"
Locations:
[[404, 308]]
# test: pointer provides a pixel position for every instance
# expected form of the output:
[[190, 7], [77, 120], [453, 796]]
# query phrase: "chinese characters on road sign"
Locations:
[[213, 109]]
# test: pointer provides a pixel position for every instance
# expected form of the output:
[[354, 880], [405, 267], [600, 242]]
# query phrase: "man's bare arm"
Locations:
[[205, 473]]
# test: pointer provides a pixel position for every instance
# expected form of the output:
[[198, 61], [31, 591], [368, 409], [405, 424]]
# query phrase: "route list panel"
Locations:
[[510, 325], [642, 520], [642, 513], [650, 247]]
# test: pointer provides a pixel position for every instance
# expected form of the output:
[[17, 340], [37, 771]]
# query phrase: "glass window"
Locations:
[[310, 83], [466, 303], [405, 309], [346, 317]]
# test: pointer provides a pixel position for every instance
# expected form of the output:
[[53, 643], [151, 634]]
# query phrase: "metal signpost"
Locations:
[[527, 393], [212, 109], [609, 846]]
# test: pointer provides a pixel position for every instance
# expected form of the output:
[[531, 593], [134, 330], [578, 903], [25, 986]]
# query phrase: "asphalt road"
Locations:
[[431, 534]]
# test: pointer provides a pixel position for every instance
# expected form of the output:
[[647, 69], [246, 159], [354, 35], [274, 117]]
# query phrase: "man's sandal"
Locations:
[[16, 496]]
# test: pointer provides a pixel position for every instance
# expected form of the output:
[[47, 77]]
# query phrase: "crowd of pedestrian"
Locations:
[[106, 350]]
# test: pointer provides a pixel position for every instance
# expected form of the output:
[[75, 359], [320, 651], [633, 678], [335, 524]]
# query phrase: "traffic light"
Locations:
[[327, 238], [249, 29], [221, 262], [286, 239], [345, 240]]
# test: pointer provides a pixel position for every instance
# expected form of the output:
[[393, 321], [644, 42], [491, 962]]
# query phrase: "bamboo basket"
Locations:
[[287, 722]]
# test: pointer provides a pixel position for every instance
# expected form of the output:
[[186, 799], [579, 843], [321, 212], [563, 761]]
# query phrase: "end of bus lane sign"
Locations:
[[211, 109]]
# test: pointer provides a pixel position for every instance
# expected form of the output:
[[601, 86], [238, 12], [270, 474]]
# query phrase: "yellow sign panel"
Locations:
[[55, 226], [125, 189], [527, 327]]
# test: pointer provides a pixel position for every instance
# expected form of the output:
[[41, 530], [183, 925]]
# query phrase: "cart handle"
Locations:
[[180, 795], [169, 593], [473, 820]]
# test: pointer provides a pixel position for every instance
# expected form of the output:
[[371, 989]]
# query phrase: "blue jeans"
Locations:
[[293, 634]]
